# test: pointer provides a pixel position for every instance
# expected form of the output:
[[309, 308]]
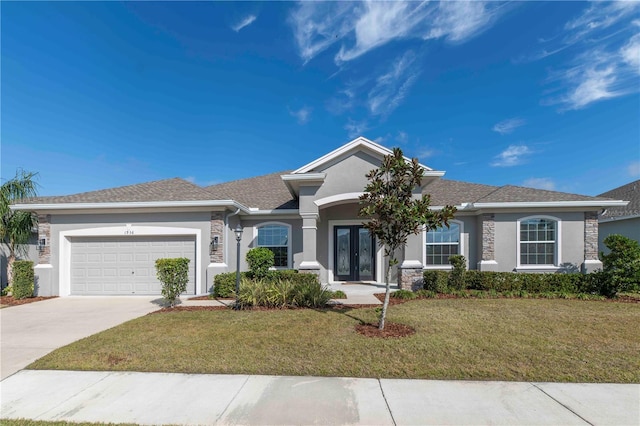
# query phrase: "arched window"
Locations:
[[441, 243], [276, 238], [538, 241]]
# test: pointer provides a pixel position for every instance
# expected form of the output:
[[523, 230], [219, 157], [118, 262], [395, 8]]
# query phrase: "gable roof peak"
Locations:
[[359, 143]]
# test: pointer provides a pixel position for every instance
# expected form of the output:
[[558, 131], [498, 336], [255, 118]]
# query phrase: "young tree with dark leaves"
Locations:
[[394, 212]]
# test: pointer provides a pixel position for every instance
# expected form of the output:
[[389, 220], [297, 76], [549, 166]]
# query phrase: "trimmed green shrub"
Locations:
[[5, 291], [403, 294], [260, 259], [436, 281], [23, 279], [524, 284], [224, 285], [622, 264], [456, 276], [174, 276]]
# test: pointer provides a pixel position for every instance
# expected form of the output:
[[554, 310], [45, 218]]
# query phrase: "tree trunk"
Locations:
[[385, 305], [10, 260]]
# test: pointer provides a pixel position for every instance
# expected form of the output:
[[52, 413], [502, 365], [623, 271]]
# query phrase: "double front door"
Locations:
[[354, 254]]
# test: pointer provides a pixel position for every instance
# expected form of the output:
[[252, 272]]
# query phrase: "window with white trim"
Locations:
[[538, 241], [276, 238], [441, 243]]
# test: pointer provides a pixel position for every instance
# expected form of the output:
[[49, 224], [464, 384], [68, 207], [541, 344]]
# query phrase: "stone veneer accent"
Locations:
[[488, 237], [410, 278], [590, 235], [44, 232], [217, 229]]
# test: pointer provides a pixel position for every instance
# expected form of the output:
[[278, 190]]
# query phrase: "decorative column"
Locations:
[[43, 271], [217, 230], [591, 261], [410, 270], [216, 256], [309, 262], [488, 262], [44, 235]]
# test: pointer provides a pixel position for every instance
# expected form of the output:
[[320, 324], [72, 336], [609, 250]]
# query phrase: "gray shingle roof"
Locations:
[[452, 192], [514, 194], [175, 189], [629, 192], [267, 192]]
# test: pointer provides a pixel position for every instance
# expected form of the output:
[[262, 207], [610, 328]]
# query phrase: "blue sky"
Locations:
[[103, 94]]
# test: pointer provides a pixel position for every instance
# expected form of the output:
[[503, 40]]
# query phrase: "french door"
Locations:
[[354, 254]]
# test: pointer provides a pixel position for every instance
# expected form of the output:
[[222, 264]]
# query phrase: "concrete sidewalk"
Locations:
[[160, 398]]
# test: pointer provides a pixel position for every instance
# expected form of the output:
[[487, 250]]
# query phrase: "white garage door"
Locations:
[[125, 265]]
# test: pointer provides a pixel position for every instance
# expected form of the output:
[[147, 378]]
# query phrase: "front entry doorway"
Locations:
[[354, 254]]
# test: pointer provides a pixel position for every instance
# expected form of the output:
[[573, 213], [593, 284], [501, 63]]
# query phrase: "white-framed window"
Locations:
[[441, 243], [277, 238], [538, 241]]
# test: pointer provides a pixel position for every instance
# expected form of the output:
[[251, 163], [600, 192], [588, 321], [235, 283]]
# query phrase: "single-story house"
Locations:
[[105, 242], [623, 220]]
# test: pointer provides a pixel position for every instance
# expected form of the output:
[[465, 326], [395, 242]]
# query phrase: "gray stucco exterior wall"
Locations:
[[629, 227]]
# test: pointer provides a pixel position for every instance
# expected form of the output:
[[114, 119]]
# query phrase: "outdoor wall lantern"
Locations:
[[238, 232], [213, 245], [42, 242]]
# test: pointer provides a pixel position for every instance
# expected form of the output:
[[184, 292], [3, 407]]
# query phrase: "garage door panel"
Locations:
[[125, 265]]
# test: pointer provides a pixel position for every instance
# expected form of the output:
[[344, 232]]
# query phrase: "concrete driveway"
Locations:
[[33, 330]]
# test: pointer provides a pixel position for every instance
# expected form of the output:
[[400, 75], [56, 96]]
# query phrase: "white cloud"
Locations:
[[540, 183], [191, 179], [244, 22], [355, 128], [508, 126], [426, 153], [630, 52], [402, 137], [634, 169], [458, 21], [512, 156], [360, 27], [391, 87], [381, 22], [302, 115], [605, 43]]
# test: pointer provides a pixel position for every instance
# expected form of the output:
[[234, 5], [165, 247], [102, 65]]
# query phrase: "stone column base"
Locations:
[[410, 278], [591, 266], [487, 265]]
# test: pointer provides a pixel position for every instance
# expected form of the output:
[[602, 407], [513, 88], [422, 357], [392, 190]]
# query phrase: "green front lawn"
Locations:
[[475, 339]]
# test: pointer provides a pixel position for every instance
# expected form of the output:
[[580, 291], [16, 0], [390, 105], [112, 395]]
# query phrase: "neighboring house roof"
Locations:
[[175, 189], [629, 192], [267, 192]]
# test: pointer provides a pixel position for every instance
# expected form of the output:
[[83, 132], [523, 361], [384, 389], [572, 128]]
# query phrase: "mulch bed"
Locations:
[[391, 329], [10, 301]]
